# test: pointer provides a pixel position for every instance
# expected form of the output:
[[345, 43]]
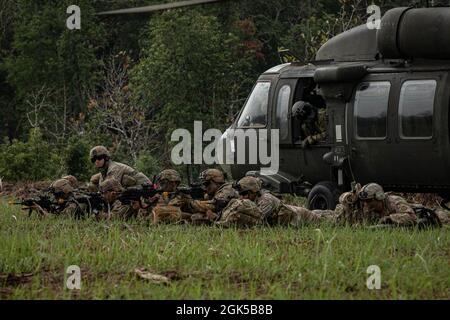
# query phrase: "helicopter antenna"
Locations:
[[158, 7]]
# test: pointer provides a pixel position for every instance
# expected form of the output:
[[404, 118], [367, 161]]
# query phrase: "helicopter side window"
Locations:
[[416, 109], [283, 110], [371, 104], [255, 110]]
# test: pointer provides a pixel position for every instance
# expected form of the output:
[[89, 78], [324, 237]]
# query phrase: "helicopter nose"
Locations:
[[225, 150]]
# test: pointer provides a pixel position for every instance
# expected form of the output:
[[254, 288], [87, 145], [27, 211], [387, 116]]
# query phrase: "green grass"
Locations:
[[315, 262]]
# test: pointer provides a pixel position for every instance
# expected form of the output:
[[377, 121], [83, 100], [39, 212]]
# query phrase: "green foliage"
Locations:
[[46, 56], [76, 158], [32, 160], [148, 164], [182, 69]]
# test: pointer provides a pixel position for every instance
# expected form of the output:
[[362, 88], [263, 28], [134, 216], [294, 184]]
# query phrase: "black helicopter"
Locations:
[[385, 94]]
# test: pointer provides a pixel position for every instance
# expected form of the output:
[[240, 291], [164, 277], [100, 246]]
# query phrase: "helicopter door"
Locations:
[[419, 152], [367, 123], [393, 138], [282, 122]]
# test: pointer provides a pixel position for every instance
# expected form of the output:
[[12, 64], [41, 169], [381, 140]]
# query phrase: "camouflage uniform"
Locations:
[[274, 211], [125, 175], [395, 209], [169, 207], [116, 209], [94, 182], [69, 207], [313, 122], [242, 213], [215, 203], [321, 130]]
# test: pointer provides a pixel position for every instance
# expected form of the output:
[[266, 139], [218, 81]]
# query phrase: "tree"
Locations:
[[44, 53]]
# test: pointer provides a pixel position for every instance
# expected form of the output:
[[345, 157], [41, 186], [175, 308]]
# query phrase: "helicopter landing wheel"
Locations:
[[323, 196]]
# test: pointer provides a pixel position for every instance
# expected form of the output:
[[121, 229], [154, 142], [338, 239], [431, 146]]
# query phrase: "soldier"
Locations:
[[63, 192], [125, 175], [170, 206], [307, 114], [110, 189], [218, 194], [274, 211], [373, 206]]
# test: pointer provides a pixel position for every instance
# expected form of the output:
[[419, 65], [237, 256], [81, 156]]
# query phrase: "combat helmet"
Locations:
[[98, 151], [371, 191], [249, 183], [61, 186], [301, 109], [169, 175], [72, 180], [212, 175]]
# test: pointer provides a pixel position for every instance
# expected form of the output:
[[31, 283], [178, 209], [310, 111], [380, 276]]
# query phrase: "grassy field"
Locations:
[[315, 262]]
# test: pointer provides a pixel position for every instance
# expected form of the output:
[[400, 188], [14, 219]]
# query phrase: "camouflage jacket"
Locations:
[[396, 210], [118, 210], [274, 211], [126, 175], [218, 202], [240, 213], [74, 209]]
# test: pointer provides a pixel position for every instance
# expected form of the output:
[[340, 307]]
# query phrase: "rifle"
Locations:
[[195, 190], [135, 194], [93, 200], [351, 203], [43, 201], [150, 190]]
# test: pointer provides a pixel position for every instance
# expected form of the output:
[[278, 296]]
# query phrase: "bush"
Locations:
[[148, 165], [29, 161], [76, 159]]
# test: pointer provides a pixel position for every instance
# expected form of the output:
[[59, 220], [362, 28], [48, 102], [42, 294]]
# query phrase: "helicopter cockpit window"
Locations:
[[282, 111], [416, 109], [255, 110], [371, 104]]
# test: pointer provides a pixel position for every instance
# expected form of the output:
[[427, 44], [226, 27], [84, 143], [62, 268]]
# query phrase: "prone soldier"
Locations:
[[114, 208], [218, 194], [170, 205], [274, 211], [373, 206], [63, 192]]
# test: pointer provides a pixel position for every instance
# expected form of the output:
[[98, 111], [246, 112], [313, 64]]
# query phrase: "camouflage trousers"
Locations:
[[240, 213]]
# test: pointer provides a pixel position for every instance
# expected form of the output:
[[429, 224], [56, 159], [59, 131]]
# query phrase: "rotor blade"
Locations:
[[157, 7]]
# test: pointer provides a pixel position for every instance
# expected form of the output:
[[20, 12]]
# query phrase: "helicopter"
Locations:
[[385, 94]]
